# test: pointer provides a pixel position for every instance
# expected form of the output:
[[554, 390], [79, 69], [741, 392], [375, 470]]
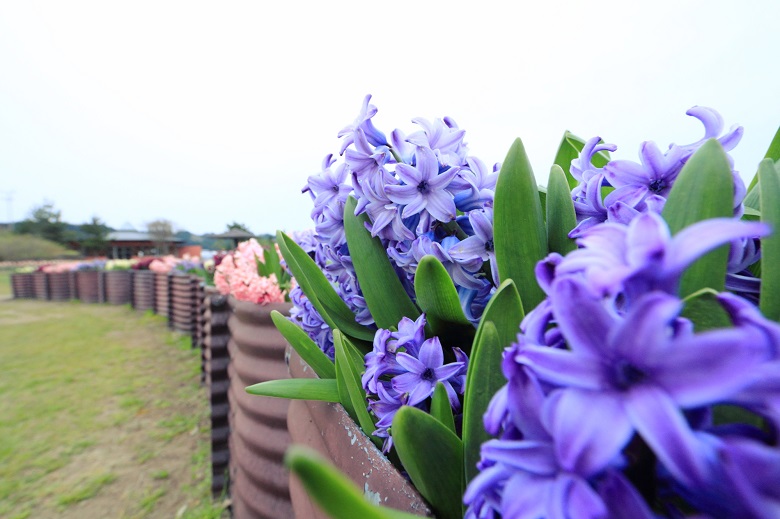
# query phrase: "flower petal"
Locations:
[[589, 428], [581, 316], [664, 429]]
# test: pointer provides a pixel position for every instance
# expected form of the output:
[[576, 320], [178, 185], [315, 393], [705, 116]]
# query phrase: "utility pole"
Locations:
[[9, 199]]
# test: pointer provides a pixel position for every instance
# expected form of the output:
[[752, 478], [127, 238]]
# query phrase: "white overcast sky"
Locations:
[[206, 113]]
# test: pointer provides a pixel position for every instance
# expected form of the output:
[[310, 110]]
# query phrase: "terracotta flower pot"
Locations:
[[258, 425], [143, 290], [40, 285], [184, 291], [90, 288], [162, 294], [328, 429], [22, 286], [60, 288], [119, 287], [215, 367]]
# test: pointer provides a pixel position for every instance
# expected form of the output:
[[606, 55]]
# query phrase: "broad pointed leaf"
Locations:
[[438, 298], [323, 296], [772, 153], [441, 409], [519, 234], [705, 312], [335, 493], [561, 218], [298, 389], [349, 377], [769, 180], [704, 189], [433, 457], [498, 328], [385, 295], [306, 348]]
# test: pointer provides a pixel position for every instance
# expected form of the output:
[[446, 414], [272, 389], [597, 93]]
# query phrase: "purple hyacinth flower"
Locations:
[[475, 185], [363, 122], [366, 161], [643, 256], [424, 190], [380, 361], [480, 246], [443, 137], [425, 372], [410, 335], [635, 374], [327, 187], [713, 126], [655, 175]]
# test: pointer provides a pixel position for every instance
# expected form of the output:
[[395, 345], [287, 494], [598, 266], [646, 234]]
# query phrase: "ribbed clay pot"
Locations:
[[184, 304], [119, 287], [22, 286], [162, 294], [143, 290], [60, 288], [40, 285], [327, 428], [89, 284], [215, 367], [259, 482]]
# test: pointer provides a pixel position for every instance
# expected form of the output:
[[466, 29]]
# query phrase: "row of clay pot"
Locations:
[[262, 428], [88, 286]]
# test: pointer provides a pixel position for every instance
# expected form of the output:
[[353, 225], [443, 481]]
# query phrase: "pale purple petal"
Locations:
[[708, 367], [431, 355], [410, 363], [562, 367], [581, 316], [589, 428], [694, 241], [663, 427], [441, 205]]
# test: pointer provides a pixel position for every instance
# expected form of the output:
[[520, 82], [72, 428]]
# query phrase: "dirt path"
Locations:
[[101, 415]]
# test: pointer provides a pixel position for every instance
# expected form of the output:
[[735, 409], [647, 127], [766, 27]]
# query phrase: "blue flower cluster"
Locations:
[[404, 368], [423, 194], [616, 407]]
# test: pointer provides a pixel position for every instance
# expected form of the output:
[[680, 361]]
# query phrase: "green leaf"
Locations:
[[769, 180], [349, 369], [441, 408], [323, 296], [438, 298], [753, 198], [705, 312], [385, 296], [271, 259], [298, 389], [306, 348], [498, 329], [433, 457], [772, 153], [561, 218], [519, 234], [570, 149], [704, 189], [335, 493]]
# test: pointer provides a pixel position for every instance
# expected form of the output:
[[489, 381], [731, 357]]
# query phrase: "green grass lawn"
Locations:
[[5, 283], [101, 415]]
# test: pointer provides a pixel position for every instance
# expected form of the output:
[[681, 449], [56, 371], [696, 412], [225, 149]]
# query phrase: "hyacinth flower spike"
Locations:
[[635, 374]]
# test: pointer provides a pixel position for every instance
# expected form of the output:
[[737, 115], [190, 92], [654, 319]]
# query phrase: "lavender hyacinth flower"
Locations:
[[362, 122], [481, 244], [424, 372], [424, 190]]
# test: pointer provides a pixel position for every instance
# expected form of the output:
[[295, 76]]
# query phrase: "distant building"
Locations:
[[126, 244]]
